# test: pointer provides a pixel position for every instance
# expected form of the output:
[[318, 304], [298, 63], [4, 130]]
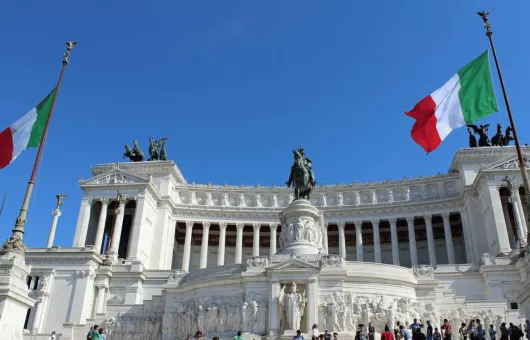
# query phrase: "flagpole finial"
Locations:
[[487, 26], [69, 46]]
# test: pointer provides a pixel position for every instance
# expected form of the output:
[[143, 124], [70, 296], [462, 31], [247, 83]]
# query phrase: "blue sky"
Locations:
[[236, 85]]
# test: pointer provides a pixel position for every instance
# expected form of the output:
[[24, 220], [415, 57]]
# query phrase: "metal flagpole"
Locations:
[[520, 156], [3, 202], [15, 243]]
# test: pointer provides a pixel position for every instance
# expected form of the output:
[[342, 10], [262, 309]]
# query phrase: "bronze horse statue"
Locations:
[[134, 155], [301, 177]]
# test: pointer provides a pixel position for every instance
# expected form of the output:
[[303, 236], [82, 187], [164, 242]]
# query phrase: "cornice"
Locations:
[[484, 156], [143, 168]]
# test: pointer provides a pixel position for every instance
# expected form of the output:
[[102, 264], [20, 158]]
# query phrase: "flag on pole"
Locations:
[[26, 132], [467, 97]]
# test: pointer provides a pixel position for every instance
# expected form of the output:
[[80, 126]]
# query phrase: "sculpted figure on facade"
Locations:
[[226, 201], [258, 200], [274, 200], [340, 199], [209, 200], [357, 198], [293, 304]]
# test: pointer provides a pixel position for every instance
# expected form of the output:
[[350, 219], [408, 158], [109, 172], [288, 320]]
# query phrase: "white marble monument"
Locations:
[[222, 258]]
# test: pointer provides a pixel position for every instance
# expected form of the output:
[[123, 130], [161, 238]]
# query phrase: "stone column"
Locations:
[[359, 240], [100, 300], [342, 241], [448, 239], [101, 224], [519, 216], [500, 232], [312, 303], [325, 237], [377, 241], [395, 241], [82, 223], [412, 241], [187, 246], [38, 314], [274, 308], [56, 213], [239, 243], [521, 212], [272, 241], [204, 245], [116, 234], [508, 221], [430, 239], [222, 242], [470, 255], [255, 241]]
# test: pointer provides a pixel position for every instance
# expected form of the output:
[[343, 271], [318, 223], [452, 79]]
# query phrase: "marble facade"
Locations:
[[186, 256]]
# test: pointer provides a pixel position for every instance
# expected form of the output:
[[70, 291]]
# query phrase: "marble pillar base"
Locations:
[[301, 229]]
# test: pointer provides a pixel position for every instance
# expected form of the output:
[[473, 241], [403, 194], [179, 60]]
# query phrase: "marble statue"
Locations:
[[293, 304]]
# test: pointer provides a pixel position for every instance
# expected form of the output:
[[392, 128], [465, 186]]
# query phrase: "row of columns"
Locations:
[[520, 217], [100, 231], [394, 240], [342, 241], [222, 243]]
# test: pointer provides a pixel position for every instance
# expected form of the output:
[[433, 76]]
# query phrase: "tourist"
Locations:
[[414, 326], [436, 335], [463, 331], [447, 330], [492, 332], [315, 332], [89, 335], [442, 331], [516, 333], [52, 337], [335, 336], [371, 331], [481, 334], [327, 335], [238, 337], [387, 335], [101, 334], [472, 330], [504, 332], [404, 333], [429, 330], [321, 337], [95, 332], [418, 335], [298, 335], [198, 335], [527, 329], [215, 338]]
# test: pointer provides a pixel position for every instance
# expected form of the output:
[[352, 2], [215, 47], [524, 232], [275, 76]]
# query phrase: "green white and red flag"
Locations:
[[467, 97], [26, 132]]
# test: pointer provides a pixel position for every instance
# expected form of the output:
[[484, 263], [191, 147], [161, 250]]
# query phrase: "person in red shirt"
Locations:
[[387, 335], [448, 330]]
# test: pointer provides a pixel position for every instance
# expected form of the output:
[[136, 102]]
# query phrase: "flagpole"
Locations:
[[520, 156], [15, 243], [3, 202]]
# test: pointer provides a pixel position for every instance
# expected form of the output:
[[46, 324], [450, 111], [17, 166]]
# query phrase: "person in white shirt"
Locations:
[[315, 334]]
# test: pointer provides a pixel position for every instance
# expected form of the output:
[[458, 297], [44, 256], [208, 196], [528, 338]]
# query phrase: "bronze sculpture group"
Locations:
[[500, 138], [302, 177], [157, 151]]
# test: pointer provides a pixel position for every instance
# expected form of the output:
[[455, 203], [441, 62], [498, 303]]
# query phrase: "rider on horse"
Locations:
[[301, 177]]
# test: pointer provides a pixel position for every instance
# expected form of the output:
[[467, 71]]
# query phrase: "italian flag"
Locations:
[[26, 132], [467, 97]]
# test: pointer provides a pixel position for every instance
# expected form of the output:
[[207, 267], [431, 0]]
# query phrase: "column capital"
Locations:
[[240, 225], [358, 223], [189, 224], [104, 201], [392, 220], [410, 219], [375, 222], [341, 224], [223, 225], [89, 201], [273, 226], [427, 217], [206, 225], [445, 215], [325, 226], [256, 226]]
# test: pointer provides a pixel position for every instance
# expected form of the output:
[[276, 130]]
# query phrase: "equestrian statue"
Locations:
[[301, 178], [134, 155]]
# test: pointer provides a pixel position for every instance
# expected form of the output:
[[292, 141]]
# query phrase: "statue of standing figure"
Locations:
[[293, 304], [302, 177]]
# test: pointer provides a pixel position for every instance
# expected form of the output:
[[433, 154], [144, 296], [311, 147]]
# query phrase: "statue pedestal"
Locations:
[[301, 229], [14, 299]]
